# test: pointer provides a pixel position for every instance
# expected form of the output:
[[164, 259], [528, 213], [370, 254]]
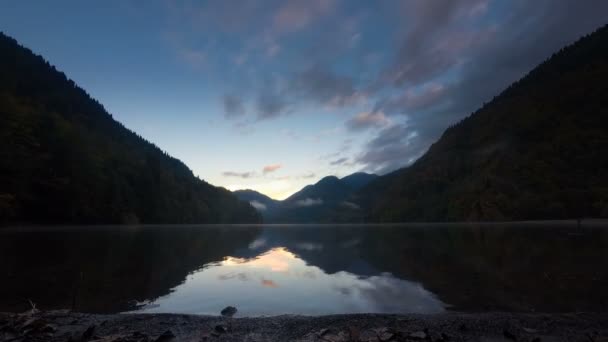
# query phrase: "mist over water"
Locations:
[[310, 269]]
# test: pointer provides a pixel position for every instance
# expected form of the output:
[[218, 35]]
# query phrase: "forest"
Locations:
[[64, 159], [536, 151]]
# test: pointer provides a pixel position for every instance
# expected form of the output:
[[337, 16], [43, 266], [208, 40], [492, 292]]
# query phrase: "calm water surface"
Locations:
[[269, 270]]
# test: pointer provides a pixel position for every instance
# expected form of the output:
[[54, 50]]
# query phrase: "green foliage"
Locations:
[[539, 150], [64, 159]]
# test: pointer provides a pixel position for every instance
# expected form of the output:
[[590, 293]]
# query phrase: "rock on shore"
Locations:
[[488, 327]]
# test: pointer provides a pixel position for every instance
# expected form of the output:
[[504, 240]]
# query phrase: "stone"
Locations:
[[509, 335], [368, 336], [384, 334], [493, 339], [88, 333], [48, 328], [354, 333], [220, 328], [166, 336], [339, 337], [418, 335], [229, 311], [323, 332]]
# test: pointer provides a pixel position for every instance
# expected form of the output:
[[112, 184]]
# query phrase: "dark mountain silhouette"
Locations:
[[536, 151], [65, 159], [264, 204], [359, 179], [312, 203]]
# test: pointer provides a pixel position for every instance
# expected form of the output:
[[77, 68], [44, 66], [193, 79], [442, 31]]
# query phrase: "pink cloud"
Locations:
[[269, 283], [295, 15], [271, 168], [367, 120]]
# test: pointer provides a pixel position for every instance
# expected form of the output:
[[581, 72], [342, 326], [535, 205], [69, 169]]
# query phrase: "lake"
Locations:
[[306, 269]]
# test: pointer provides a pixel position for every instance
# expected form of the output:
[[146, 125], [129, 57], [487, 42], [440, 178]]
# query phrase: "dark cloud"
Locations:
[[487, 59], [340, 161], [423, 65], [294, 15], [238, 174], [270, 106], [433, 39], [393, 147], [233, 106], [324, 86], [367, 120]]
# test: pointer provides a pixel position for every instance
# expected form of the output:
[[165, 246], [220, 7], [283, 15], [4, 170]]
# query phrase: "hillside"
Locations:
[[313, 203], [64, 159], [536, 151], [261, 202]]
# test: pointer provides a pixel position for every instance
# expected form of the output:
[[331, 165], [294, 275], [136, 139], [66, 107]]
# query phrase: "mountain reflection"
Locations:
[[278, 281], [265, 270]]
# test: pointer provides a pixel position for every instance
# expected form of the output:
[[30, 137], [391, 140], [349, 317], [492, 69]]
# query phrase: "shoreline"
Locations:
[[584, 223], [64, 325]]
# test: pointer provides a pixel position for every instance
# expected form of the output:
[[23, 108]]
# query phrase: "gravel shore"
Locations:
[[69, 326]]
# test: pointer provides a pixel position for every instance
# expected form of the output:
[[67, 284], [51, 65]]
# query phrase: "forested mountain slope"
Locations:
[[539, 150], [64, 159]]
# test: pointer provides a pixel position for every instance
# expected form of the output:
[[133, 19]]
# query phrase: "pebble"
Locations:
[[220, 328], [166, 336], [418, 335]]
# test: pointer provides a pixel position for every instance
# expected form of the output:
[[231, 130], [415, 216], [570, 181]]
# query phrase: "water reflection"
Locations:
[[279, 282], [266, 270]]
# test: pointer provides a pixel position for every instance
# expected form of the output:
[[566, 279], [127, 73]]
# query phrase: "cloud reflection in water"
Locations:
[[279, 282]]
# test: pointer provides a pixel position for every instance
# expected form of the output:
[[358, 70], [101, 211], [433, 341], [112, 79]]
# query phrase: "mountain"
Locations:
[[313, 202], [536, 151], [359, 179], [261, 202], [64, 159]]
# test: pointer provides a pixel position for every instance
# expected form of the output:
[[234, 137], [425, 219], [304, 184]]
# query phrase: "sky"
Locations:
[[274, 95]]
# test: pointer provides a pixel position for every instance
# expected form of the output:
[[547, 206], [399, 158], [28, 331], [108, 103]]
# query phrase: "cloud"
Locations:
[[258, 205], [240, 276], [322, 85], [269, 283], [244, 127], [308, 175], [367, 120], [233, 106], [238, 174], [309, 246], [257, 243], [195, 58], [270, 106], [295, 15], [339, 161], [446, 68], [350, 205], [271, 168], [413, 67], [422, 98], [434, 40], [308, 202], [393, 147]]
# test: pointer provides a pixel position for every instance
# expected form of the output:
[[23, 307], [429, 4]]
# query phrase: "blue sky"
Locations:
[[273, 95]]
